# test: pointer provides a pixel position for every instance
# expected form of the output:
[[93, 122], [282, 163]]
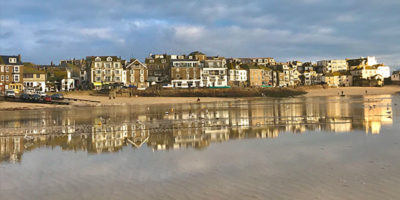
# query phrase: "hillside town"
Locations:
[[195, 70]]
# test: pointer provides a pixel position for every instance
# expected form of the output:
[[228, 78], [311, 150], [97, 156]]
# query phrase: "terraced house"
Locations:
[[214, 72], [105, 71], [11, 73], [185, 72], [34, 78], [159, 67], [137, 75]]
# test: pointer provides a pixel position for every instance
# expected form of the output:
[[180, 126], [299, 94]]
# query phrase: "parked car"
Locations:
[[36, 98], [25, 97], [30, 91], [47, 98], [57, 97], [42, 94], [167, 86], [10, 93]]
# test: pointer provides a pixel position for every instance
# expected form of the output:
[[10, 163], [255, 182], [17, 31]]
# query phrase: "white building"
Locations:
[[329, 66], [68, 83]]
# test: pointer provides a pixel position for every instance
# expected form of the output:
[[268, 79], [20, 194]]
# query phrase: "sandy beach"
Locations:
[[312, 92], [105, 101]]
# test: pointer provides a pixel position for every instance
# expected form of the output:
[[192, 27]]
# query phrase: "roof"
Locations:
[[103, 58], [4, 60], [32, 70], [196, 53]]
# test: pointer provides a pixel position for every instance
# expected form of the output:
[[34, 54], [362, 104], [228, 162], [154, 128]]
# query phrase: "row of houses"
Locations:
[[187, 71]]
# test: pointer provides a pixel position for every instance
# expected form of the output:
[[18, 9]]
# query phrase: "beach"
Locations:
[[105, 101], [390, 89]]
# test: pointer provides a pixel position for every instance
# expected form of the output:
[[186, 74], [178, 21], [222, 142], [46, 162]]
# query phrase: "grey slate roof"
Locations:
[[4, 60]]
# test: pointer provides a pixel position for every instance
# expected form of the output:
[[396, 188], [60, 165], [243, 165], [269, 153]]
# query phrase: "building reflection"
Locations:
[[190, 126]]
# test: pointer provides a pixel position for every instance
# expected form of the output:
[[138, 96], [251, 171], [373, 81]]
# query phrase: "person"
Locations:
[[366, 91], [198, 99]]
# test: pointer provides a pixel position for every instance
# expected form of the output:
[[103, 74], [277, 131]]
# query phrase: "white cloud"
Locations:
[[102, 33]]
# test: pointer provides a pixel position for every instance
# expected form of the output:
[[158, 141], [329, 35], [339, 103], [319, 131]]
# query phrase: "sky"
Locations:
[[307, 30]]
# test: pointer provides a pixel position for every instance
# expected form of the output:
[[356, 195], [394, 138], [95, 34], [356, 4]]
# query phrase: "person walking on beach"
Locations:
[[366, 91], [198, 99]]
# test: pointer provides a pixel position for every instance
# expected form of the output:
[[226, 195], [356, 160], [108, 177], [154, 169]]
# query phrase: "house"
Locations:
[[286, 75], [308, 77], [78, 71], [11, 73], [254, 75], [237, 75], [329, 66], [337, 79], [355, 63], [185, 73], [137, 75], [68, 83], [105, 71], [395, 77], [159, 67], [34, 77], [214, 72]]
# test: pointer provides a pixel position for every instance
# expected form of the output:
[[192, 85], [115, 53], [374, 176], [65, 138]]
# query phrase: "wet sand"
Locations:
[[105, 101], [313, 92], [145, 100]]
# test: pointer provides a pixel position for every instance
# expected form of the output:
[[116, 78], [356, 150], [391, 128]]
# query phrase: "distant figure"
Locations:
[[198, 99], [114, 94], [366, 91], [342, 93], [109, 95]]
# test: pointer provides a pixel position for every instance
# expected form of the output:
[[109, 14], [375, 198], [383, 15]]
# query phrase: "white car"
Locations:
[[10, 93], [30, 91], [42, 94]]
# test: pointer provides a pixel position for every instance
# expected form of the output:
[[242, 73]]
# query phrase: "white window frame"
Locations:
[[16, 69], [6, 68], [16, 78], [7, 78], [12, 60]]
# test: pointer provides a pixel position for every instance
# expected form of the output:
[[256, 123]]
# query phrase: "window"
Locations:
[[163, 61], [97, 65], [141, 71], [116, 65], [12, 60], [1, 69], [108, 65], [116, 71], [98, 72], [2, 77], [151, 61], [109, 59], [37, 75], [7, 78], [16, 69], [6, 68], [16, 78], [98, 79]]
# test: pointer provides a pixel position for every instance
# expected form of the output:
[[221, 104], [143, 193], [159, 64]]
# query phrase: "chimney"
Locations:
[[19, 57]]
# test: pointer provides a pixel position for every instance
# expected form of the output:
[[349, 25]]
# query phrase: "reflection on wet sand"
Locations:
[[99, 130]]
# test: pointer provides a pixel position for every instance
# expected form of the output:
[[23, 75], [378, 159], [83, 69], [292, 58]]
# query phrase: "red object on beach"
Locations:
[[47, 98]]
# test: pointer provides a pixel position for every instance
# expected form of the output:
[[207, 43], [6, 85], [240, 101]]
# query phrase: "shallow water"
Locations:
[[295, 148]]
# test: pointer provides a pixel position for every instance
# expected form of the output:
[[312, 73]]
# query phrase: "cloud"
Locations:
[[285, 29]]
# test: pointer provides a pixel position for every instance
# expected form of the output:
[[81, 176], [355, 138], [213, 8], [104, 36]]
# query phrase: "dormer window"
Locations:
[[12, 60], [97, 59], [109, 59]]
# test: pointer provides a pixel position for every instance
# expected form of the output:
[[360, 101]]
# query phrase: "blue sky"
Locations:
[[46, 30]]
